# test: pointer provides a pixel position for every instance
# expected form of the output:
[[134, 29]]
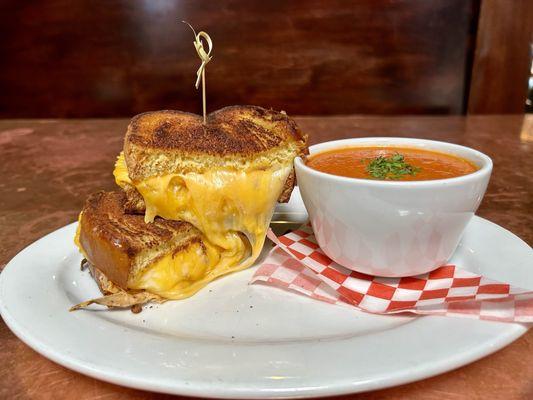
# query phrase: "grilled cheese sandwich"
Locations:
[[133, 261], [223, 178]]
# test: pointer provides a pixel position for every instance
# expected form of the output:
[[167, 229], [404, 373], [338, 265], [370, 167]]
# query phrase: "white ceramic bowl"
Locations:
[[391, 228]]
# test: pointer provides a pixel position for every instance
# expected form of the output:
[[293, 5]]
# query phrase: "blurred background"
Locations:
[[116, 58]]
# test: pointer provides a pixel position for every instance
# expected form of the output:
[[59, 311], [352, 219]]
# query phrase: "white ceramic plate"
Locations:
[[233, 340]]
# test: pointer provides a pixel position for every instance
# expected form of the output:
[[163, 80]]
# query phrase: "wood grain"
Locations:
[[90, 58], [48, 167], [502, 58]]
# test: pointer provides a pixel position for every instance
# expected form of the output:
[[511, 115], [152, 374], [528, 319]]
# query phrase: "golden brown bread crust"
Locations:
[[134, 203], [242, 130], [113, 241], [167, 141], [286, 192]]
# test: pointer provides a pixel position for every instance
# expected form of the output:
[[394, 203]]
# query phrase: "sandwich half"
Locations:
[[224, 177], [134, 262]]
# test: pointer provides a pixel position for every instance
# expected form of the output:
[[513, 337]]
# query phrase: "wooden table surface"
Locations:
[[48, 167]]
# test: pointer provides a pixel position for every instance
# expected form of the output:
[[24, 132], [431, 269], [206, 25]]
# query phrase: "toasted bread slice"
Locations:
[[238, 137], [241, 137], [121, 245], [115, 296]]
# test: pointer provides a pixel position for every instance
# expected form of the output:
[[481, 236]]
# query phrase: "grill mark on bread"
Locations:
[[162, 131]]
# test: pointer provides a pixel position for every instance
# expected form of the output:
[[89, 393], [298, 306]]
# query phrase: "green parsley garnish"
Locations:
[[390, 168]]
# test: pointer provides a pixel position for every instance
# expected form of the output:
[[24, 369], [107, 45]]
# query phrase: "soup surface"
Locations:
[[390, 163]]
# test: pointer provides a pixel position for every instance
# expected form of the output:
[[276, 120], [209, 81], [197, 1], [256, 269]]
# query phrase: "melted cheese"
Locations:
[[231, 208], [77, 236]]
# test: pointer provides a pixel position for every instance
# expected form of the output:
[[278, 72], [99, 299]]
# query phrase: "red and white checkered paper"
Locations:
[[298, 264]]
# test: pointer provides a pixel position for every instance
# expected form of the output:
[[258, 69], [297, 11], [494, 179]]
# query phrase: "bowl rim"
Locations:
[[483, 171]]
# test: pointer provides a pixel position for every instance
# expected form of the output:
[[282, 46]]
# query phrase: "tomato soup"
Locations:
[[390, 163]]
